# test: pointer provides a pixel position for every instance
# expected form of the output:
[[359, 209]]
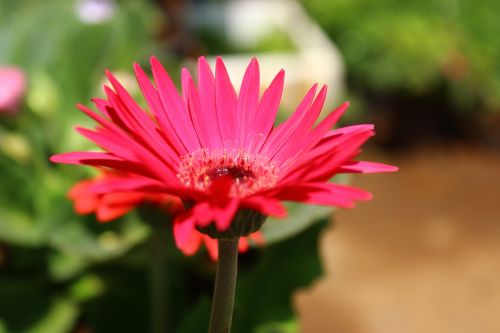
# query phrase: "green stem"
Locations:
[[158, 278], [225, 287]]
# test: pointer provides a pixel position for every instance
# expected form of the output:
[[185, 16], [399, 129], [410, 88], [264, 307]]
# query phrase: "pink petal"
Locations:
[[349, 129], [212, 247], [224, 214], [136, 123], [220, 188], [105, 213], [324, 163], [248, 100], [86, 204], [100, 159], [226, 102], [203, 214], [115, 134], [128, 149], [257, 238], [78, 157], [303, 127], [193, 243], [198, 117], [107, 141], [266, 205], [174, 106], [123, 198], [183, 228], [243, 245], [266, 112], [206, 87], [280, 134], [324, 126], [123, 184], [367, 167], [154, 103], [142, 127], [328, 147], [329, 194]]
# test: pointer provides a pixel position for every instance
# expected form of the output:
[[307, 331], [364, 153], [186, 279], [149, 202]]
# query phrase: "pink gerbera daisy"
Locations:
[[221, 151]]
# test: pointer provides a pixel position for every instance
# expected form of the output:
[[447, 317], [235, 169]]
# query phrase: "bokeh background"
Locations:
[[423, 256]]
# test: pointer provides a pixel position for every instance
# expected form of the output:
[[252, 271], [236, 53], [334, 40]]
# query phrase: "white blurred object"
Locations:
[[95, 11], [315, 59]]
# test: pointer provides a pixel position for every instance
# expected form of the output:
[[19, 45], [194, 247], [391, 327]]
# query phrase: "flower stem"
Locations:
[[225, 286]]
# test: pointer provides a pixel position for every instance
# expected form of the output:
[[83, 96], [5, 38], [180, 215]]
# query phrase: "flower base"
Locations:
[[245, 222]]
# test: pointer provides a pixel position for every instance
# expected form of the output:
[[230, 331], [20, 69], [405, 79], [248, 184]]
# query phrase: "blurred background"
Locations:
[[423, 256]]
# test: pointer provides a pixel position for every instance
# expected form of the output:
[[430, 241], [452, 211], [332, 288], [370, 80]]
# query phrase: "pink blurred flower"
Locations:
[[12, 88]]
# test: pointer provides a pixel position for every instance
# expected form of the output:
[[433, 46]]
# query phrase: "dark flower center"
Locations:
[[238, 174]]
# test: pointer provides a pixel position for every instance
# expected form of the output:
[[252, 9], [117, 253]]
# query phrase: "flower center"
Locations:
[[250, 173]]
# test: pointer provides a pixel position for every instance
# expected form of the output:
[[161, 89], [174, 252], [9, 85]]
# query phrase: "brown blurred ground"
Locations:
[[424, 256]]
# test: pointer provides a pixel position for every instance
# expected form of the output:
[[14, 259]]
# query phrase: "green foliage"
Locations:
[[417, 46]]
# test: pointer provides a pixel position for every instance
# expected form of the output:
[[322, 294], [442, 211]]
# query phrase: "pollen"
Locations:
[[250, 173]]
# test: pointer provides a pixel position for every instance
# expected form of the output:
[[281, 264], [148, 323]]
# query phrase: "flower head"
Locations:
[[220, 151], [97, 195]]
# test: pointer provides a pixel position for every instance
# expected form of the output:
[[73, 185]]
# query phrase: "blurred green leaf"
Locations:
[[264, 292], [16, 227], [87, 287], [290, 326], [300, 217], [73, 238], [29, 301], [60, 318], [3, 328], [417, 47]]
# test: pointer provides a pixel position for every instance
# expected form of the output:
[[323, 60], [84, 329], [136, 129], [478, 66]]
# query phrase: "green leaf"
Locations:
[[18, 228], [30, 303], [290, 326], [73, 238], [60, 318], [300, 217], [265, 289]]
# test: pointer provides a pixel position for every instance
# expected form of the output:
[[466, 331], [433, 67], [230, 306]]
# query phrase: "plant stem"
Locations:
[[225, 286], [158, 278]]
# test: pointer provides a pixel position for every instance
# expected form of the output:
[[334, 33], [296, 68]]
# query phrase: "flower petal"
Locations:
[[193, 243], [266, 112], [183, 228], [105, 213], [328, 194], [269, 206], [367, 167], [280, 134], [206, 88], [226, 102], [173, 106], [248, 100]]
